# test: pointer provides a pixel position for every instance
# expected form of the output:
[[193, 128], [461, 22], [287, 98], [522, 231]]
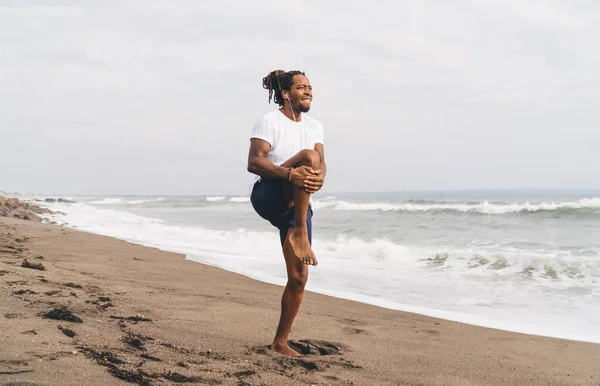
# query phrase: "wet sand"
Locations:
[[106, 312]]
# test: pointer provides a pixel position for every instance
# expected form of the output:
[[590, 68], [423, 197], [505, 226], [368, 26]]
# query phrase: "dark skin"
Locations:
[[307, 170]]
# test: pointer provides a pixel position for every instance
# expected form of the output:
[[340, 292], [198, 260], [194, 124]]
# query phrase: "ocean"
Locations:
[[524, 261]]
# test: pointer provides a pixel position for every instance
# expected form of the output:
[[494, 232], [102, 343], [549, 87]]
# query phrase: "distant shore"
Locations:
[[89, 309]]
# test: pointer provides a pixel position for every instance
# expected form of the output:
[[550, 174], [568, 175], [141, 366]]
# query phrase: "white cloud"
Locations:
[[413, 95]]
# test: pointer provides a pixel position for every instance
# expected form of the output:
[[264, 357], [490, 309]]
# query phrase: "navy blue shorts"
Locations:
[[268, 200]]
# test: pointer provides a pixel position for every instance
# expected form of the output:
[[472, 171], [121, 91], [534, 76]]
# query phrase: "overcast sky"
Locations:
[[159, 97]]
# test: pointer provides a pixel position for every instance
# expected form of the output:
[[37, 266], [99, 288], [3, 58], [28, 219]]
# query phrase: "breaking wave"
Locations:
[[586, 205]]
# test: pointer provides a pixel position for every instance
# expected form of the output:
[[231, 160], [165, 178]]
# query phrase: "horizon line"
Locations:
[[403, 191]]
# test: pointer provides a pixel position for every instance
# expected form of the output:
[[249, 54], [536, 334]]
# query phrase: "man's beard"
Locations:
[[302, 109]]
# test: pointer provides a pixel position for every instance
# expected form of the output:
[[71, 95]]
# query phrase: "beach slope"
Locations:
[[78, 308]]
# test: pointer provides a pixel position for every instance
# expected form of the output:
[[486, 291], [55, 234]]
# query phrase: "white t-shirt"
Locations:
[[285, 136]]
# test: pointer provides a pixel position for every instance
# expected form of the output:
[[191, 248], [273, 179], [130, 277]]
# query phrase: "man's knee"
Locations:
[[310, 158], [298, 281]]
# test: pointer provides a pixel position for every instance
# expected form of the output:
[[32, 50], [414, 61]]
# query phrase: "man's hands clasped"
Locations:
[[307, 178]]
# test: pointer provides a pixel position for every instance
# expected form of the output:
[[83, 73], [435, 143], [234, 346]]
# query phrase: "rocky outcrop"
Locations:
[[13, 207]]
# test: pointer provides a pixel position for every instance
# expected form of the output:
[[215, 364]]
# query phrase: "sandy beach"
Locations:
[[106, 312]]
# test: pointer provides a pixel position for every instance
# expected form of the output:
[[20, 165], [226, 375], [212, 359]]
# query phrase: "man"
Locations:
[[286, 152]]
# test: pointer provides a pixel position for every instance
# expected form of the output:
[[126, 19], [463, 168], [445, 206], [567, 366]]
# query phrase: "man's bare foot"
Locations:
[[298, 238], [284, 349]]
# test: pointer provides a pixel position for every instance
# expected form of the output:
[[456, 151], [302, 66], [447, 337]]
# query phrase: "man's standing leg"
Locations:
[[297, 269], [297, 273]]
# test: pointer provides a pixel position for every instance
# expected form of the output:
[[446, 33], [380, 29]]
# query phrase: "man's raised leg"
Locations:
[[299, 197]]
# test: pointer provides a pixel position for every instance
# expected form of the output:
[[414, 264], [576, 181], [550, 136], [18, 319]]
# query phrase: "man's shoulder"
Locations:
[[271, 116], [267, 120]]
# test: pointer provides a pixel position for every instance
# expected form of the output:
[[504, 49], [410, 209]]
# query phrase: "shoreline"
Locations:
[[467, 318], [450, 316], [212, 326]]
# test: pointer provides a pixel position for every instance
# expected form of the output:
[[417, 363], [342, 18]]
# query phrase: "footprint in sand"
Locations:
[[315, 347], [351, 322], [103, 302], [67, 331], [52, 356], [14, 367], [353, 326], [150, 357], [72, 285], [24, 292], [12, 316], [354, 331], [16, 282], [305, 347]]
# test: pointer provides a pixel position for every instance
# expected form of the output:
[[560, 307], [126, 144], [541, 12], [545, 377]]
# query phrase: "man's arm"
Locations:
[[259, 165], [320, 149]]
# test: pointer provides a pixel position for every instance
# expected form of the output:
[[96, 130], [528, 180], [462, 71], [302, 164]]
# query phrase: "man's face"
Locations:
[[301, 93]]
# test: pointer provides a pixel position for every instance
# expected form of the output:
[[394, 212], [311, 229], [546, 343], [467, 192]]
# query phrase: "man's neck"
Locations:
[[287, 111]]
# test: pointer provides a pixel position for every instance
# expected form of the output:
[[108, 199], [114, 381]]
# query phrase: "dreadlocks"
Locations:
[[279, 80]]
